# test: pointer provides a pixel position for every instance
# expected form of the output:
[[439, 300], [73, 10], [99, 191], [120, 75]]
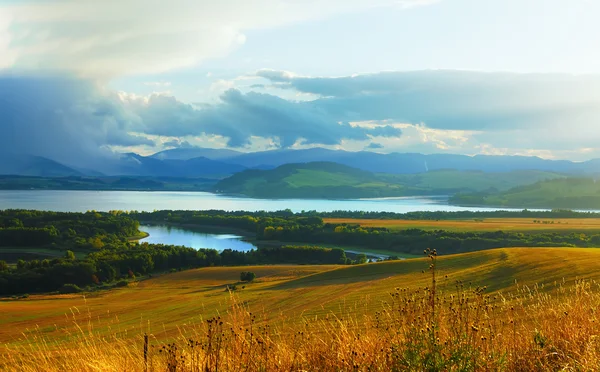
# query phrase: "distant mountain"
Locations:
[[136, 165], [28, 165], [219, 163], [337, 181], [411, 163], [187, 153]]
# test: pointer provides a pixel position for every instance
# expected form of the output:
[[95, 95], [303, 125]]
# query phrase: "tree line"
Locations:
[[128, 261]]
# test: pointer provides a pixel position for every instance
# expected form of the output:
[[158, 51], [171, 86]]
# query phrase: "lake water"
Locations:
[[81, 201], [194, 239]]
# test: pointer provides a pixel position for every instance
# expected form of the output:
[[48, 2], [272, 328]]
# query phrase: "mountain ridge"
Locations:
[[224, 162]]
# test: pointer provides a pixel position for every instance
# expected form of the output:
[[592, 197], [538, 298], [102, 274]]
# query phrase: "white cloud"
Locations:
[[158, 83], [108, 38], [7, 57]]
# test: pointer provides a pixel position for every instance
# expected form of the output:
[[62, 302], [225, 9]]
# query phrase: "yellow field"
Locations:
[[287, 298], [162, 303], [488, 224]]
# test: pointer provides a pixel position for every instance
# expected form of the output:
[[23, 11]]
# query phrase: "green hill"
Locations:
[[312, 180], [450, 181], [567, 193], [332, 180]]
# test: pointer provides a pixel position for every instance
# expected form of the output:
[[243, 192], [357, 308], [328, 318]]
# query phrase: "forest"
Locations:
[[96, 249]]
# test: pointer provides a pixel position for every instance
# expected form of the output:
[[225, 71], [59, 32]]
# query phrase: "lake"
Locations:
[[194, 239], [160, 234], [81, 201]]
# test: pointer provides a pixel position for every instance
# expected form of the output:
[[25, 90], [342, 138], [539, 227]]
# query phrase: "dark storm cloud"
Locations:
[[374, 145], [60, 117], [241, 116], [459, 100]]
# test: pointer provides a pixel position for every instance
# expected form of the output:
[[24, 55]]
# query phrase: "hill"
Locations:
[[27, 165], [568, 193], [449, 181], [311, 180], [332, 180], [105, 183], [346, 308]]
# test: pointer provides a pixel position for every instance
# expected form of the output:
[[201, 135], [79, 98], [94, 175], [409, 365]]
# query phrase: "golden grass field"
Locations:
[[487, 224], [328, 305]]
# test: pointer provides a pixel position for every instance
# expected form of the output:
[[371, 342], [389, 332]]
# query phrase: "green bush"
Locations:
[[247, 276], [69, 288]]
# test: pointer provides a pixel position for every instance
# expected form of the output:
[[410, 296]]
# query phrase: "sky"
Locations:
[[80, 79]]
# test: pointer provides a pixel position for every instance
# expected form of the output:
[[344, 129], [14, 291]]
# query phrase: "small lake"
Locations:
[[81, 201], [160, 234], [194, 239]]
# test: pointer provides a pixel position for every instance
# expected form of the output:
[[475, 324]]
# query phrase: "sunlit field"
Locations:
[[538, 310], [488, 224]]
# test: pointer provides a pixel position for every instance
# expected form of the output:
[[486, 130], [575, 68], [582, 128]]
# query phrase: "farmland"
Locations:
[[285, 297], [484, 224]]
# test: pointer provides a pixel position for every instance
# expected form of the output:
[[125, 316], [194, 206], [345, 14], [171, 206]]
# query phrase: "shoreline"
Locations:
[[251, 238]]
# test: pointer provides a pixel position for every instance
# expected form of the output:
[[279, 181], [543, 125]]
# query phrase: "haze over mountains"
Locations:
[[201, 162]]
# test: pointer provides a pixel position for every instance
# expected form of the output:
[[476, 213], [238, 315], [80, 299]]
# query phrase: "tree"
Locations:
[[247, 276], [3, 265], [69, 255], [361, 258]]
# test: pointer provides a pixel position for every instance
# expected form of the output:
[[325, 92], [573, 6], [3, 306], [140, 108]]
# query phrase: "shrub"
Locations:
[[247, 276], [122, 283], [69, 288]]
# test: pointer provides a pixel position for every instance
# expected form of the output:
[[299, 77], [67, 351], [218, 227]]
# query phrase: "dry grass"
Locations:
[[387, 316], [488, 224]]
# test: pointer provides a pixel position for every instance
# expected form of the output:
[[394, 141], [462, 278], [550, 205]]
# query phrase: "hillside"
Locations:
[[312, 180], [570, 193], [346, 307], [450, 181], [105, 183], [332, 180], [26, 165], [305, 289]]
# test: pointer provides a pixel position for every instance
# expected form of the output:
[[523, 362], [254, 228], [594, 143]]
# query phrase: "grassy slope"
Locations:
[[581, 193], [488, 224], [283, 293], [331, 180], [452, 181]]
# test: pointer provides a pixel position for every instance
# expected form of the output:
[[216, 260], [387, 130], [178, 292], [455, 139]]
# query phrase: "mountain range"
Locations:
[[219, 163]]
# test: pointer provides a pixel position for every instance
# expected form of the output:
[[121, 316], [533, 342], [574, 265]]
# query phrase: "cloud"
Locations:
[[459, 100], [177, 143], [374, 146], [158, 83], [239, 117], [110, 38], [276, 76], [76, 121], [66, 119]]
